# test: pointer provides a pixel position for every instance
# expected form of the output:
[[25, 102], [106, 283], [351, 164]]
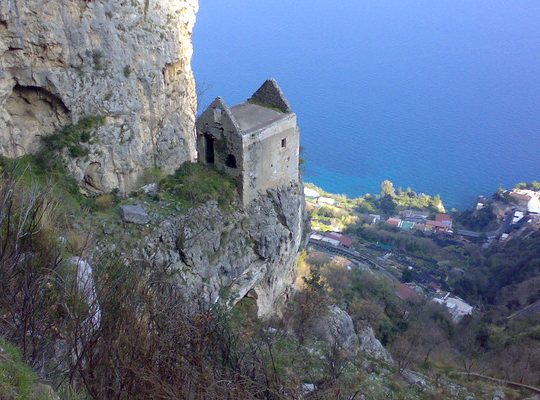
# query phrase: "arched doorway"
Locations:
[[209, 149], [230, 161]]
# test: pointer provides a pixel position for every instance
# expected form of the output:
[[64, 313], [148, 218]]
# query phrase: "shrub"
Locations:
[[105, 202], [151, 175], [47, 170], [16, 378], [97, 58], [194, 184], [71, 136], [29, 224]]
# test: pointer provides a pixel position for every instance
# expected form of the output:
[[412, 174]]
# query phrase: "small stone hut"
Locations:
[[256, 142]]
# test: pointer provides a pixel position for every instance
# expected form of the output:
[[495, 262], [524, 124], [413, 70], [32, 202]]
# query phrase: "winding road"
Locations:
[[354, 256]]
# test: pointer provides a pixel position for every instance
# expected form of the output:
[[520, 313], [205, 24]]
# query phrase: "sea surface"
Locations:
[[439, 95]]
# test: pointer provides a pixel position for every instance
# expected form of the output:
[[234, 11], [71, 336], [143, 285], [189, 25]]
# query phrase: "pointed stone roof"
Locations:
[[270, 95], [220, 103]]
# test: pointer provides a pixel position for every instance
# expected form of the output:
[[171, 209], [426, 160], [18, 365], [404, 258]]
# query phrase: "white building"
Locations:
[[530, 197], [326, 200], [518, 216], [456, 306], [308, 192], [375, 218]]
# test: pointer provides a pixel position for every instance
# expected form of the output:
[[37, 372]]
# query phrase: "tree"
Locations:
[[387, 205], [437, 203], [403, 350], [407, 275], [307, 306], [366, 311], [387, 188]]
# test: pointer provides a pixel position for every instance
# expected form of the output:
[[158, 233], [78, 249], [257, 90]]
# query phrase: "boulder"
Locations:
[[134, 214], [370, 345], [336, 327], [414, 378], [499, 394], [308, 388], [151, 189]]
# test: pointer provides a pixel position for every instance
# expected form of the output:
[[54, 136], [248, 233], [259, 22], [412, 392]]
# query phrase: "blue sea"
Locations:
[[439, 95]]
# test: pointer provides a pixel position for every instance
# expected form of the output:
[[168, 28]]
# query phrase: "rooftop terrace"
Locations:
[[252, 117]]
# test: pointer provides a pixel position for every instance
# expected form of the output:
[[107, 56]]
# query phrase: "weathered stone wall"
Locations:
[[261, 136], [217, 124], [271, 95], [129, 61], [267, 163]]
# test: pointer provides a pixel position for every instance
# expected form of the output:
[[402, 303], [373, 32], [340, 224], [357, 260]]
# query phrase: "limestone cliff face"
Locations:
[[216, 255], [221, 256], [130, 62], [126, 60]]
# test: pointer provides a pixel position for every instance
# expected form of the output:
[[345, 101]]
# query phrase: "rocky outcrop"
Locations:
[[222, 253], [128, 61], [370, 345], [336, 328], [134, 214]]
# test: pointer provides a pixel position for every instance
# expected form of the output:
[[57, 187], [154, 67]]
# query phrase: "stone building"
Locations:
[[256, 142]]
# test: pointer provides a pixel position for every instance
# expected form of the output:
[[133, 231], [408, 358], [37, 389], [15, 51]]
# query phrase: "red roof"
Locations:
[[436, 224], [344, 240], [519, 196], [393, 221], [442, 218]]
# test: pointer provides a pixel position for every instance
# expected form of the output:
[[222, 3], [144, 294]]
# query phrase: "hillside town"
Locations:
[[512, 214]]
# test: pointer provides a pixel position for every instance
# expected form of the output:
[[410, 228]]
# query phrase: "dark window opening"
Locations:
[[209, 146], [283, 143], [230, 161]]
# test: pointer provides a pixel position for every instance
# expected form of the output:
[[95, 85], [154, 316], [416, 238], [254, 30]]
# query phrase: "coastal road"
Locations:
[[490, 235], [354, 256]]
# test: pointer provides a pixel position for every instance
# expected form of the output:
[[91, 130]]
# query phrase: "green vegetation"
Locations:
[[503, 196], [97, 59], [151, 175], [388, 202], [50, 173], [499, 267], [266, 105], [71, 137], [194, 184], [387, 189], [391, 200], [45, 169], [127, 71], [396, 239], [477, 220], [421, 334], [17, 379], [534, 185], [331, 218], [347, 212]]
